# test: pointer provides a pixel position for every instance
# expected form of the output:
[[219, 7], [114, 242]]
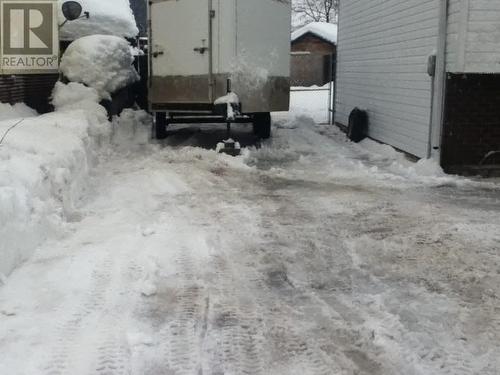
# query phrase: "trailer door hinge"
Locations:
[[212, 14]]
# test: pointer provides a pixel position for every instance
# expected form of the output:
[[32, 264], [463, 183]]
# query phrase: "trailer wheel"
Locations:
[[161, 125], [262, 125]]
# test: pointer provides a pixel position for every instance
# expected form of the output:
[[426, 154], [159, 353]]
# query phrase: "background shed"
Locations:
[[314, 49]]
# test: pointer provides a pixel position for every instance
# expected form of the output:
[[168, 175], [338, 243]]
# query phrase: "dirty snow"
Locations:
[[108, 17], [110, 58], [308, 255]]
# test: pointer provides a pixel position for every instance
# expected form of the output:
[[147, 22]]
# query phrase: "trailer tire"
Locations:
[[161, 125], [262, 125]]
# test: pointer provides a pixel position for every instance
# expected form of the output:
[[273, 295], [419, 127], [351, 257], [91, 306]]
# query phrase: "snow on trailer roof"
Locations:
[[323, 30], [108, 17]]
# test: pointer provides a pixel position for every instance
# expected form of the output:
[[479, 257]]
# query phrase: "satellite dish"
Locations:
[[72, 10]]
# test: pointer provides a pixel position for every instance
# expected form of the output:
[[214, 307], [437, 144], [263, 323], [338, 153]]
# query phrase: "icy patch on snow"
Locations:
[[108, 17], [44, 166], [18, 110], [100, 61]]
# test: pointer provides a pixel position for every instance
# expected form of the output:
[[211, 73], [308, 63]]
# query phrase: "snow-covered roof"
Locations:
[[108, 17], [323, 30]]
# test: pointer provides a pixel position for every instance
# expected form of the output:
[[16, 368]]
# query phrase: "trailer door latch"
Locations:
[[202, 49]]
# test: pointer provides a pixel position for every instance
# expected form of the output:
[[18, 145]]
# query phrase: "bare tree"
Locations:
[[315, 10]]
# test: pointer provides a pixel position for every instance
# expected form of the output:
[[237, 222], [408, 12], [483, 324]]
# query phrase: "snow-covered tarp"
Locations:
[[324, 30], [103, 62], [109, 17]]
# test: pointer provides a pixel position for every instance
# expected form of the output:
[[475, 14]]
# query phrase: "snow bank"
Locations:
[[100, 61], [388, 158], [368, 163], [324, 30], [108, 17], [44, 165], [131, 129], [18, 110]]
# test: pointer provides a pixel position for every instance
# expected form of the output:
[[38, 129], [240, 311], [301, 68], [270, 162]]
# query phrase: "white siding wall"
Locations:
[[383, 50], [474, 36], [455, 32]]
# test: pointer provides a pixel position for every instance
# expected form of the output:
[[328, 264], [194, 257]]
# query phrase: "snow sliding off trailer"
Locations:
[[218, 61]]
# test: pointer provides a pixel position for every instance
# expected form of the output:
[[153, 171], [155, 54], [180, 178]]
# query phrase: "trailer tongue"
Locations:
[[203, 52]]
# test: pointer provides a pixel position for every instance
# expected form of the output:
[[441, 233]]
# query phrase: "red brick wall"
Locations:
[[308, 70]]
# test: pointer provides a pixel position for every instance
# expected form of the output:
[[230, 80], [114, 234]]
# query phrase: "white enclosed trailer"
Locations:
[[202, 49]]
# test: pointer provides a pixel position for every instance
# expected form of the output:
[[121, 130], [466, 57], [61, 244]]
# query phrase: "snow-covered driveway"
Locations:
[[307, 256]]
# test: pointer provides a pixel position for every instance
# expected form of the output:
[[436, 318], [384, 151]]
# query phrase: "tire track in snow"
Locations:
[[67, 347], [285, 298], [245, 320], [236, 322], [112, 357], [181, 336], [94, 338]]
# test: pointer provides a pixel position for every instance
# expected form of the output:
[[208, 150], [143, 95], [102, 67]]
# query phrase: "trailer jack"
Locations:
[[229, 146]]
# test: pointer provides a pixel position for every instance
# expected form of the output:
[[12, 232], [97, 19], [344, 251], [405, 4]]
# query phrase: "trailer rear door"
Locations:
[[180, 52]]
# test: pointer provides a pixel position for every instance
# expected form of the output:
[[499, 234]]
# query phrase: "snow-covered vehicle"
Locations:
[[218, 61]]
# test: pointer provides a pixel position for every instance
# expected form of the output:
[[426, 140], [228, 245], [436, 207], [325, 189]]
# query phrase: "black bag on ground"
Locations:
[[358, 125]]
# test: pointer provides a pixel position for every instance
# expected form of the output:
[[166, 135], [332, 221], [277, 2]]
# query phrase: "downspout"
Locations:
[[211, 83], [438, 100], [335, 72], [150, 55]]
